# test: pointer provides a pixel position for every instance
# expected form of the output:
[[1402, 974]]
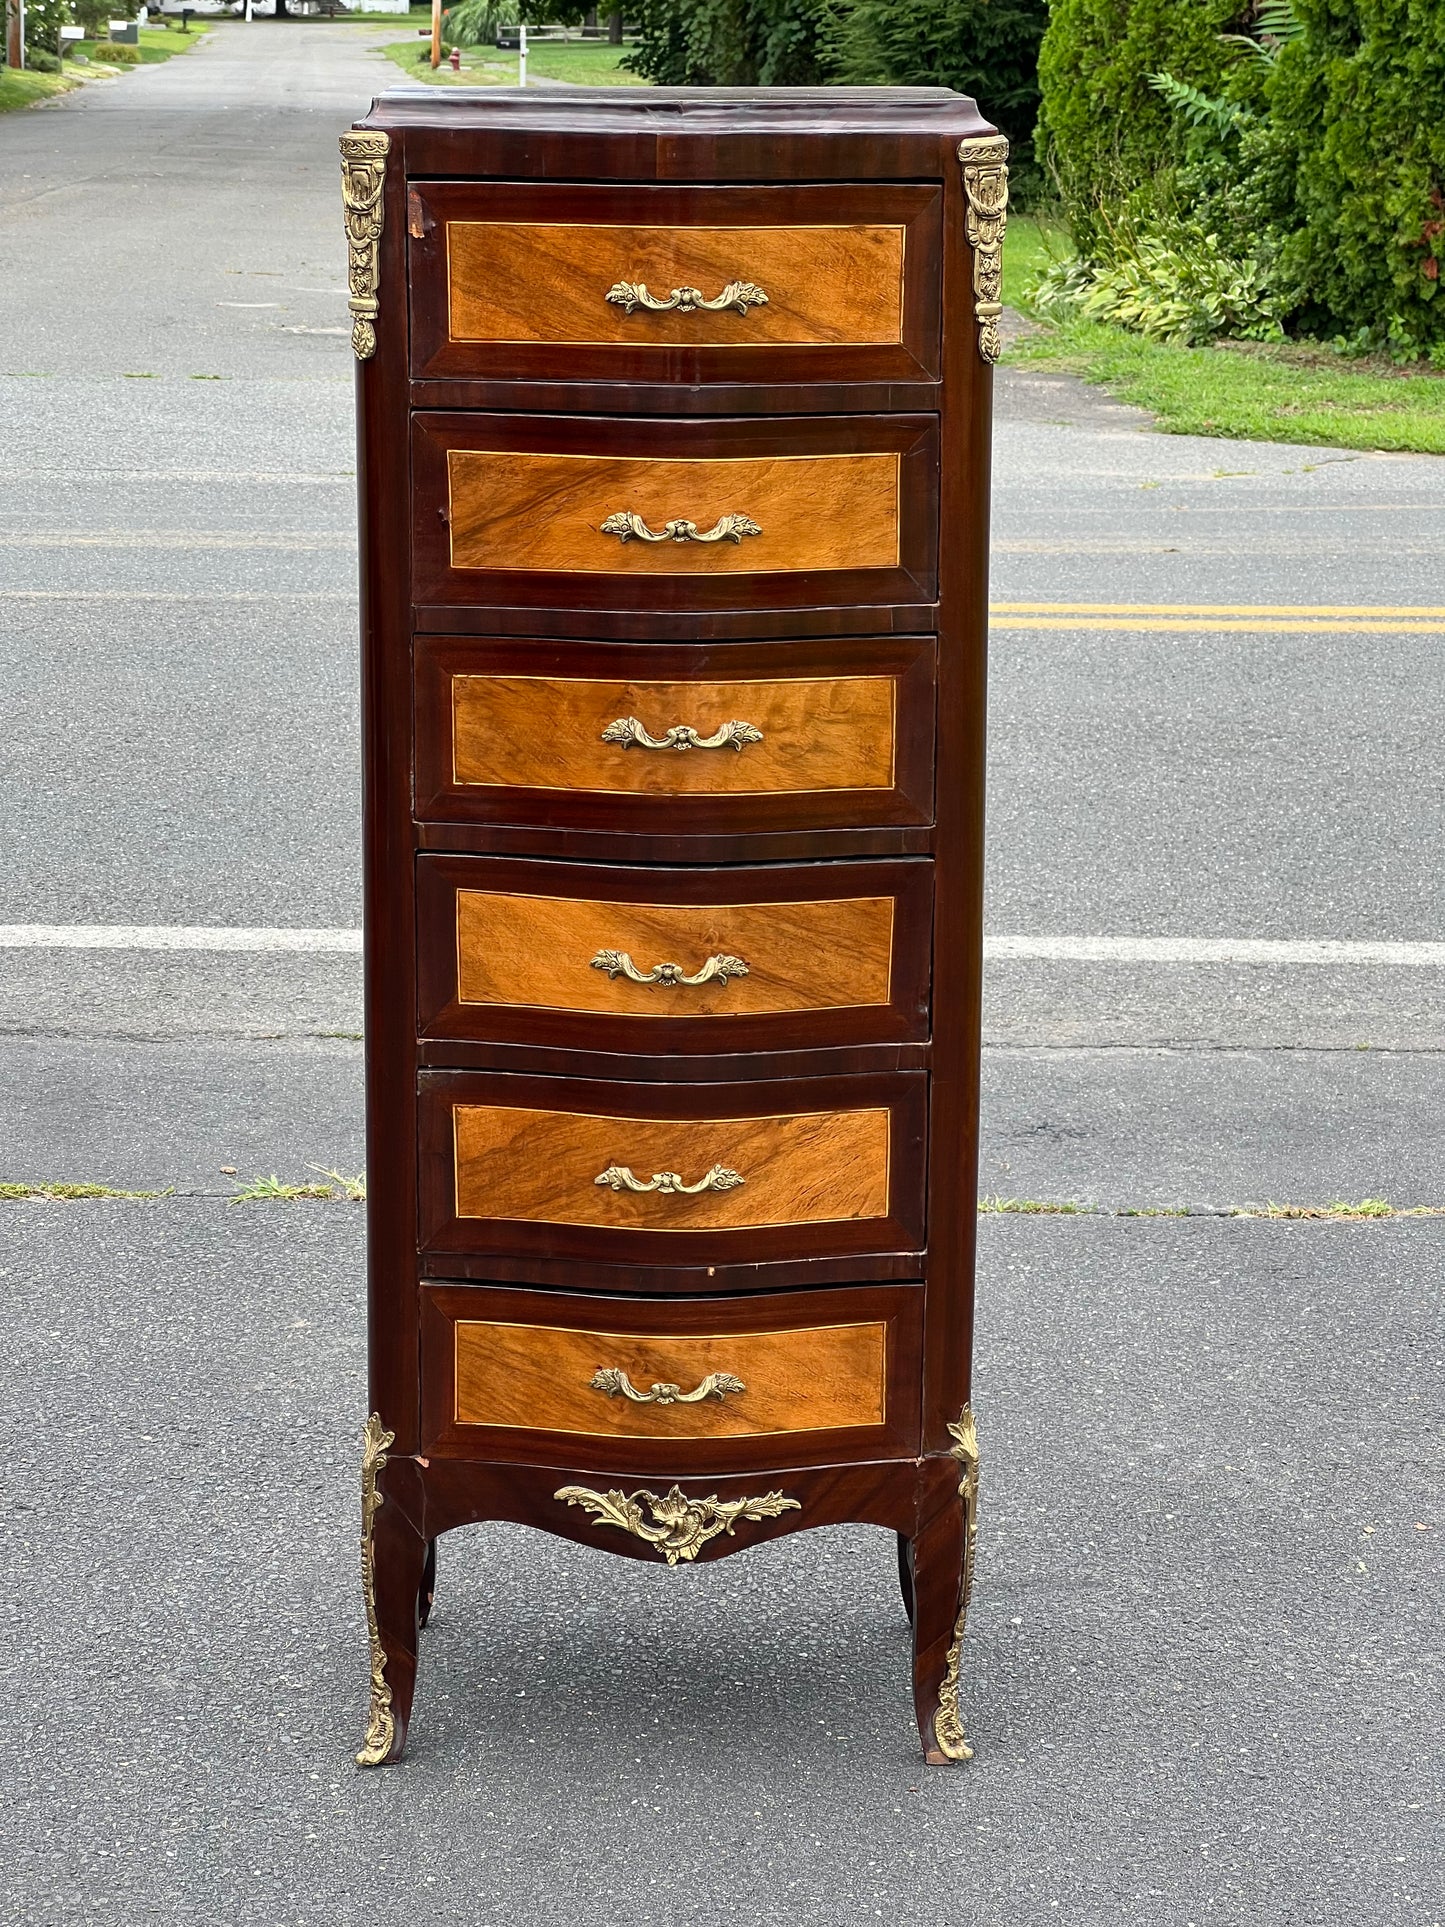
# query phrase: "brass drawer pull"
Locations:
[[617, 964], [742, 295], [619, 1178], [675, 1526], [631, 734], [626, 524], [617, 1384]]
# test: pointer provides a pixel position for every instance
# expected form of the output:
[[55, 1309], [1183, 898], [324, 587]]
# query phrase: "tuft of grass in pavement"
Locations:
[[267, 1190], [14, 1193], [1035, 1208], [1251, 391], [1341, 1209], [23, 89]]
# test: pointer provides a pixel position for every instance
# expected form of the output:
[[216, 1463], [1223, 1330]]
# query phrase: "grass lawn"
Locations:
[[156, 43], [22, 88], [586, 63], [1244, 391]]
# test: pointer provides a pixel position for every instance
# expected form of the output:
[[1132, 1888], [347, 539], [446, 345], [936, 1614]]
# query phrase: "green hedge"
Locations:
[[986, 48], [1107, 133], [1361, 99], [728, 43]]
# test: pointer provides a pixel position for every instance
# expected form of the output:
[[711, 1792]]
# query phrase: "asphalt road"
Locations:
[[1203, 1663]]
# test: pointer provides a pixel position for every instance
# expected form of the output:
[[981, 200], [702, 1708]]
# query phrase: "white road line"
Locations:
[[177, 595], [998, 949], [127, 539], [1211, 950], [230, 476], [170, 936]]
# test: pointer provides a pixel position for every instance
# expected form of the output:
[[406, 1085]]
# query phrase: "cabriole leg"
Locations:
[[428, 1583], [942, 1584], [393, 1560], [905, 1573]]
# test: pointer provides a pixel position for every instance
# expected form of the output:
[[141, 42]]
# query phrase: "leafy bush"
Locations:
[[43, 21], [1107, 132], [986, 48], [474, 23], [115, 53], [1181, 285], [1360, 98], [729, 43], [95, 15]]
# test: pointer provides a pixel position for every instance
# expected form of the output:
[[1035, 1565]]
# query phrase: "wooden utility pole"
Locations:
[[15, 32], [436, 33]]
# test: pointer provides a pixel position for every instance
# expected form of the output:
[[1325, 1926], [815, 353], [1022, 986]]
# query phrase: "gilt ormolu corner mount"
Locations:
[[673, 1020]]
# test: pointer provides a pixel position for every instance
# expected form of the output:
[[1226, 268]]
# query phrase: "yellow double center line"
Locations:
[[1293, 618]]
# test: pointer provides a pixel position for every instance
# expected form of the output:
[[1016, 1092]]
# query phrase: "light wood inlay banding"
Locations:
[[517, 281], [515, 510], [538, 1378], [541, 1167], [545, 732], [538, 951]]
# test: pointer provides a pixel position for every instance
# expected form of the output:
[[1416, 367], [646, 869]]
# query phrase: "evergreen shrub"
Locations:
[[1360, 98], [988, 49], [728, 43], [1108, 133]]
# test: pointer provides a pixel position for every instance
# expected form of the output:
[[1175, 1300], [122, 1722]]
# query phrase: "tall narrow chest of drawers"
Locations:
[[674, 436]]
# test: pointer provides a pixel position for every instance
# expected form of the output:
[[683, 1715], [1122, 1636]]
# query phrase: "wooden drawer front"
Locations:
[[536, 509], [548, 1167], [551, 512], [515, 280], [834, 953], [500, 739], [695, 1373], [531, 1164]]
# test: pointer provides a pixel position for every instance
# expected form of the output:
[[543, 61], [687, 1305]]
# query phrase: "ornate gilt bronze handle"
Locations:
[[742, 295], [626, 524], [631, 734], [617, 1384], [619, 1178], [617, 964], [675, 1526]]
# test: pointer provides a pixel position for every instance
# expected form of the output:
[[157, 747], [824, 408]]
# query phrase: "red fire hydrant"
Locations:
[[456, 60]]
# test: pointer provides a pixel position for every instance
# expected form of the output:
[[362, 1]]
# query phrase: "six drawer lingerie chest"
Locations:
[[674, 443]]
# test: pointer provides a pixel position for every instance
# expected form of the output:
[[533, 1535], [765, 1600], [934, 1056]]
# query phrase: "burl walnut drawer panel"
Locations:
[[664, 1175], [671, 284], [676, 960], [712, 740], [630, 513], [690, 1382]]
